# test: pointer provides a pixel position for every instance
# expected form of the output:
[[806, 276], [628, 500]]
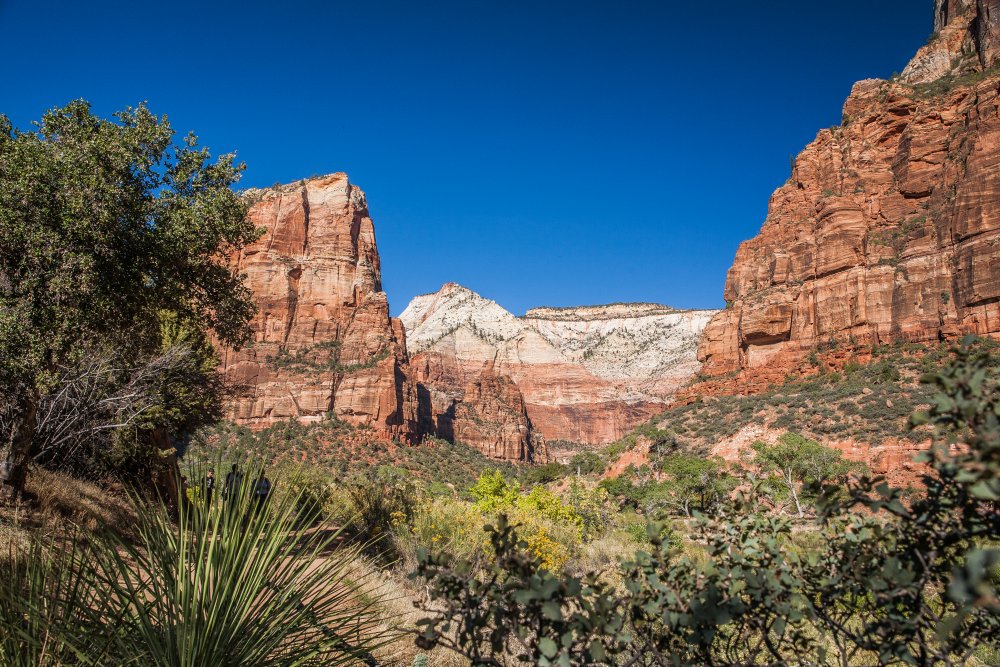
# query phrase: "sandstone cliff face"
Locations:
[[587, 375], [492, 417], [323, 339], [966, 38], [889, 228]]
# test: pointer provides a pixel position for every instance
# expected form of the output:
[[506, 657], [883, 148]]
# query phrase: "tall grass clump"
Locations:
[[230, 582]]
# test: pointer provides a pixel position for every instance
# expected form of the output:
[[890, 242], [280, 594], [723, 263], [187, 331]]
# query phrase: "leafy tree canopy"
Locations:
[[102, 225], [105, 225]]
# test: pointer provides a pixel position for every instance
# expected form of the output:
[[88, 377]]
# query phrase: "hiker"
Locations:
[[183, 500], [209, 487], [234, 480], [261, 490]]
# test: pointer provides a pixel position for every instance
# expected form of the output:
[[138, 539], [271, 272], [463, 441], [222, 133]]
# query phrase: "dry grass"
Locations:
[[400, 615], [55, 503]]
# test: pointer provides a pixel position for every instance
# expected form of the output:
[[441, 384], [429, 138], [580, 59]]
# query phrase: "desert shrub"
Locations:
[[591, 505], [543, 474], [543, 503], [910, 580], [311, 487], [636, 530], [551, 526], [448, 526], [492, 491], [377, 507]]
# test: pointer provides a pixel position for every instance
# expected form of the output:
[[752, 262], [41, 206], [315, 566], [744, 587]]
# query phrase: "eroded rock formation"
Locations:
[[889, 228], [324, 343], [587, 375], [491, 416]]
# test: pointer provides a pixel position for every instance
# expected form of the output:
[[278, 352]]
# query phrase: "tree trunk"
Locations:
[[795, 496], [14, 468]]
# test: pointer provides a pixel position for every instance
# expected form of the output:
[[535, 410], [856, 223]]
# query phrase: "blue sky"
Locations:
[[540, 153]]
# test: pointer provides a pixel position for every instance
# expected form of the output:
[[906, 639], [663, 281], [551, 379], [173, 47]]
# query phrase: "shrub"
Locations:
[[543, 474], [492, 491], [448, 526], [900, 583]]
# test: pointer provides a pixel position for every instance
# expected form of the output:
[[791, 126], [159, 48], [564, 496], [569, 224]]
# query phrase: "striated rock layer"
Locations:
[[324, 343], [492, 417], [889, 228], [587, 375]]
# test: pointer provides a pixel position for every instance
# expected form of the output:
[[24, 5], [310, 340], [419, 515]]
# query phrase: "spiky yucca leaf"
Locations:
[[237, 584], [50, 608], [233, 583]]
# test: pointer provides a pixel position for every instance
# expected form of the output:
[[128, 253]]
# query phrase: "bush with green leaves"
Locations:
[[909, 581]]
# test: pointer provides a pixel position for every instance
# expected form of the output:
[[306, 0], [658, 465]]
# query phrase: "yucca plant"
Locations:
[[49, 612], [233, 583]]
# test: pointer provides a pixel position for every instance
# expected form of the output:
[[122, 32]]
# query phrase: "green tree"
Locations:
[[587, 463], [694, 481], [797, 462], [104, 225]]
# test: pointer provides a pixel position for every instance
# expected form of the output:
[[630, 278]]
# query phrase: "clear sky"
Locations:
[[540, 153]]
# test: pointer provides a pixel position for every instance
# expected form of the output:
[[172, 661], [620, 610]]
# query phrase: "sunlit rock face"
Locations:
[[587, 375], [889, 227], [324, 344], [492, 417]]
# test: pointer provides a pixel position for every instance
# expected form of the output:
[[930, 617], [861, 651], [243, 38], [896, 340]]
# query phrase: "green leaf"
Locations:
[[552, 611], [548, 647]]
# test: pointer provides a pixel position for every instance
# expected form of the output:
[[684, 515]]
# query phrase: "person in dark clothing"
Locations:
[[261, 491], [209, 487], [234, 480]]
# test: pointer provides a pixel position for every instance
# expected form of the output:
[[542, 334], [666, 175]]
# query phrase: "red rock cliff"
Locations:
[[586, 374], [889, 228], [492, 417], [323, 339]]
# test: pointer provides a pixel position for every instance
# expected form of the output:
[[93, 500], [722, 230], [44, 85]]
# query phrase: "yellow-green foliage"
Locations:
[[592, 505], [549, 506], [552, 553], [552, 527], [451, 526], [493, 491]]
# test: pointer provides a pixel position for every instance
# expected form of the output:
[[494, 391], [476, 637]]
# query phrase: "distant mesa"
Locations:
[[324, 344]]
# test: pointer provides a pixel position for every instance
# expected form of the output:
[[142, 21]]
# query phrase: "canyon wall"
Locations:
[[492, 417], [587, 375], [324, 344], [889, 227]]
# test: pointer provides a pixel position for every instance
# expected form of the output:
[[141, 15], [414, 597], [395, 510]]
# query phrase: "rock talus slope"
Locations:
[[889, 228], [587, 375], [324, 343]]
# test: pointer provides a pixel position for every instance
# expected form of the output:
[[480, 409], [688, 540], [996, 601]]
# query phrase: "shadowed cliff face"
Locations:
[[323, 339], [889, 228]]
